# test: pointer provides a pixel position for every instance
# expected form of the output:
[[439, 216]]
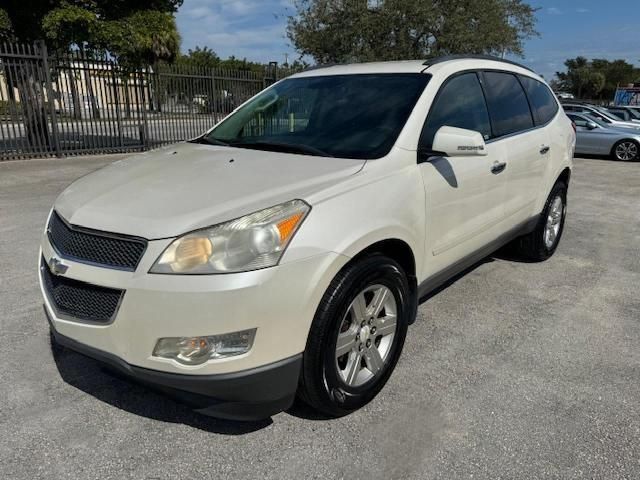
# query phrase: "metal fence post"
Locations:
[[50, 96]]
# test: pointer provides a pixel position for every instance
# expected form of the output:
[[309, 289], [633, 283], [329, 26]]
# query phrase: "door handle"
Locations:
[[498, 168], [544, 150]]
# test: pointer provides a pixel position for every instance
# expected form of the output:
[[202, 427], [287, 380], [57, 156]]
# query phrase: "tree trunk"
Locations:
[[95, 112], [26, 78], [75, 97]]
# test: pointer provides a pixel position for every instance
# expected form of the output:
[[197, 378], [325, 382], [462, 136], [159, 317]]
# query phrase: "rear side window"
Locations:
[[543, 102], [508, 105], [459, 104]]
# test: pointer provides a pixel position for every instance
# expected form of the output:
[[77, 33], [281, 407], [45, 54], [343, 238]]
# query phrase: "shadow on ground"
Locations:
[[110, 387], [114, 389]]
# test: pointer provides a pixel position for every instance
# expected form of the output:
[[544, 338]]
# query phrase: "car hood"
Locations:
[[188, 186]]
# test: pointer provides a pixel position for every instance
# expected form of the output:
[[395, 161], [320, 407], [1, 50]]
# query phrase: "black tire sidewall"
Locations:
[[336, 397], [558, 189]]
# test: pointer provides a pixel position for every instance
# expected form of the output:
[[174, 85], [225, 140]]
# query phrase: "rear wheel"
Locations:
[[626, 151], [542, 242], [356, 337]]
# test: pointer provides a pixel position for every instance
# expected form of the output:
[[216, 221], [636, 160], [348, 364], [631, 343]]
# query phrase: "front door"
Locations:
[[464, 194]]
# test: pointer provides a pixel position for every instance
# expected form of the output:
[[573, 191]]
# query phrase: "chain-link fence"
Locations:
[[80, 103]]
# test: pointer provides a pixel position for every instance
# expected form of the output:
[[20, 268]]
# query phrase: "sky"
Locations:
[[255, 29]]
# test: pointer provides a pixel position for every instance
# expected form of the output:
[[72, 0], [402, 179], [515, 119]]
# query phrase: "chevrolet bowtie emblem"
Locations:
[[57, 267]]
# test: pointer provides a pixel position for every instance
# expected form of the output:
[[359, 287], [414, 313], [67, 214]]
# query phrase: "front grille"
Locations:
[[95, 247], [80, 300]]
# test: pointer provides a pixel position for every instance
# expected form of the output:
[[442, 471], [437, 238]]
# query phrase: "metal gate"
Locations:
[[81, 103]]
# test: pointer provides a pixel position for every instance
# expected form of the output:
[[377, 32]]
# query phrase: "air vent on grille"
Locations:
[[80, 300], [91, 246]]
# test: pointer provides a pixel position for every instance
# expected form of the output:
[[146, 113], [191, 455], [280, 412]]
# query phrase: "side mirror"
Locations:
[[458, 142], [592, 125]]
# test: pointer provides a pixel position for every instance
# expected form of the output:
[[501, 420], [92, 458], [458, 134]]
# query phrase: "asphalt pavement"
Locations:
[[514, 370]]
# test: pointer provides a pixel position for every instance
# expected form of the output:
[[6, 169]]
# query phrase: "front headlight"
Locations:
[[254, 241]]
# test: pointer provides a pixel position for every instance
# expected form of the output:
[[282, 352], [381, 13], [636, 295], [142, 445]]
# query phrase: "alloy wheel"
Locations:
[[626, 151], [554, 222], [366, 335]]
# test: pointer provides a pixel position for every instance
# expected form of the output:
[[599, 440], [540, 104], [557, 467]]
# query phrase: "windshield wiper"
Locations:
[[282, 147], [209, 141]]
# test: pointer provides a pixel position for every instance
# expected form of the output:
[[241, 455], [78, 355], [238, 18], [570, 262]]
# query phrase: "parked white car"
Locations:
[[286, 250]]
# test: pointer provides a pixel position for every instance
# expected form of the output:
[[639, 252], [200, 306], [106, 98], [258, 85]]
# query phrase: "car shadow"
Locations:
[[605, 158], [112, 388], [506, 253], [445, 169]]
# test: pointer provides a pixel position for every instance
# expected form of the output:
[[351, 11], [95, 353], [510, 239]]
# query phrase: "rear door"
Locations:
[[464, 198], [524, 148]]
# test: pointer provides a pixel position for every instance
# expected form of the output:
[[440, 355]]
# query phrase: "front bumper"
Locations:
[[278, 302], [249, 395]]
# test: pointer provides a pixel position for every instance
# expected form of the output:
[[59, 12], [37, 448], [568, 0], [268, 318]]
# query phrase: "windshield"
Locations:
[[348, 116]]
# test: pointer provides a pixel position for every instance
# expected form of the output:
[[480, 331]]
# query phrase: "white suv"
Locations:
[[286, 250]]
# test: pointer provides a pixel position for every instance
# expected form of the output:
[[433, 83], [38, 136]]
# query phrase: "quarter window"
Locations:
[[543, 102], [508, 105], [459, 104]]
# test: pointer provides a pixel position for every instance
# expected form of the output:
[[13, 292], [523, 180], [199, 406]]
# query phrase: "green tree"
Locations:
[[597, 78], [136, 32], [203, 58], [6, 29], [365, 30]]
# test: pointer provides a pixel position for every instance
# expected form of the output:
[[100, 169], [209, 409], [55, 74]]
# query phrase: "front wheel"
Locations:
[[356, 337]]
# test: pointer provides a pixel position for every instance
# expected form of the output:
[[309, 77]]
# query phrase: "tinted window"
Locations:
[[459, 104], [633, 114], [542, 101], [619, 114], [598, 115], [350, 116], [579, 121], [507, 102]]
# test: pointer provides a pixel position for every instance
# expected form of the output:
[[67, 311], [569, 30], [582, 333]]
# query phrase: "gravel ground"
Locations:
[[515, 370]]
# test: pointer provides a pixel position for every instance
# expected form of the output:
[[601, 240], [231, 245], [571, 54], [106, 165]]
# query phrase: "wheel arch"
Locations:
[[401, 252], [394, 248], [618, 142], [565, 176]]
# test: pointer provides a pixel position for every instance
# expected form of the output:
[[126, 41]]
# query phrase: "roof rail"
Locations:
[[446, 58], [320, 66]]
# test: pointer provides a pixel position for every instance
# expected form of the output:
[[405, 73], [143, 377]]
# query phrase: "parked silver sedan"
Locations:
[[594, 137]]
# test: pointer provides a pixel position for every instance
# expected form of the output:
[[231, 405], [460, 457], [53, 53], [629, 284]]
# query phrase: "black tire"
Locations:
[[321, 385], [615, 156], [532, 246]]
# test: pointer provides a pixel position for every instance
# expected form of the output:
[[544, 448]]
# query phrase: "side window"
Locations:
[[599, 116], [508, 105], [459, 104], [579, 121], [542, 101]]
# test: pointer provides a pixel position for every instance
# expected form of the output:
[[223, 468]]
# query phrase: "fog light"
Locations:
[[197, 350]]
